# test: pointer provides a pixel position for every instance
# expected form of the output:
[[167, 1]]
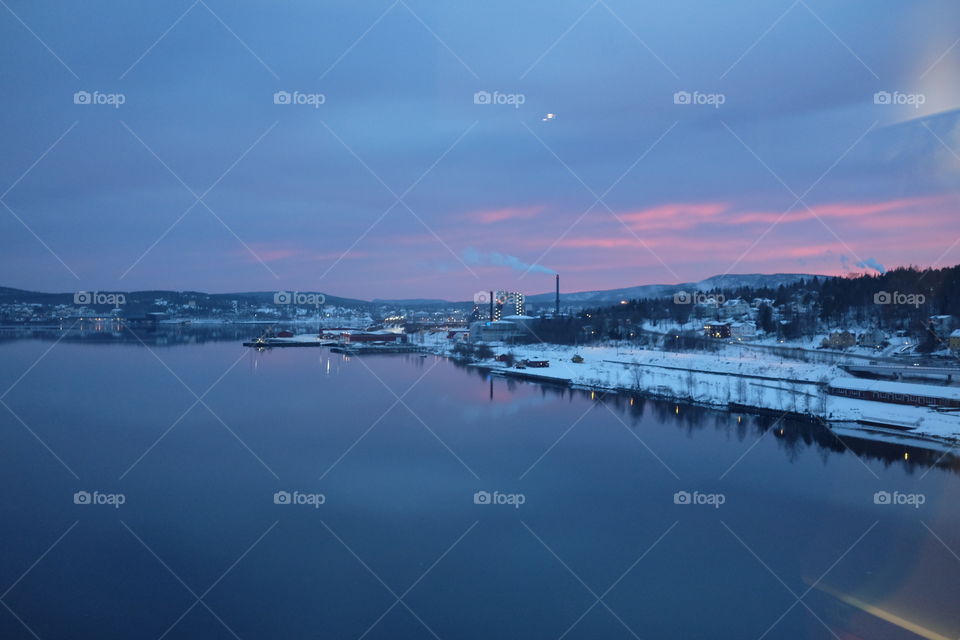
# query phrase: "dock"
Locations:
[[287, 342]]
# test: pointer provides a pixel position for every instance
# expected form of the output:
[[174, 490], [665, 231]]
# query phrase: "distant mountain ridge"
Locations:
[[724, 281], [579, 298]]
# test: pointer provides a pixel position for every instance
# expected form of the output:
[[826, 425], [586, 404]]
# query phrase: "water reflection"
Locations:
[[111, 332], [792, 435], [799, 496]]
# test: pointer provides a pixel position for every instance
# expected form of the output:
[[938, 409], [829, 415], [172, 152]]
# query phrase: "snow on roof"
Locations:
[[955, 333], [515, 317], [865, 384]]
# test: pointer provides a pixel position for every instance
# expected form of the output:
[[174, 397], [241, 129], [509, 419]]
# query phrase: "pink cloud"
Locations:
[[267, 254], [837, 210], [489, 216], [674, 215]]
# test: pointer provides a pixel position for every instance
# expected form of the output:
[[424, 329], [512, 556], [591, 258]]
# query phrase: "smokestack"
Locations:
[[557, 305], [491, 306]]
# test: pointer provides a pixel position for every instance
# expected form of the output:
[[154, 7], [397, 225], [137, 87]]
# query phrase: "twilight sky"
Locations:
[[401, 185]]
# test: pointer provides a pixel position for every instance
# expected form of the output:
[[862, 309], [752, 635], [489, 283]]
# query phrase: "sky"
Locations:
[[403, 149]]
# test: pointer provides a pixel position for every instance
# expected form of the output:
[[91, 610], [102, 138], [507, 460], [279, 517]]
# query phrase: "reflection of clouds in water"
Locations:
[[472, 413]]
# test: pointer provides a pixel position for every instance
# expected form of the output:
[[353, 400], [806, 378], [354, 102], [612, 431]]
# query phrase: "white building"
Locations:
[[494, 331], [743, 330], [734, 308]]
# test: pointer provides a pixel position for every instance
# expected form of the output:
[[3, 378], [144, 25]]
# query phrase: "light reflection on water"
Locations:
[[399, 462]]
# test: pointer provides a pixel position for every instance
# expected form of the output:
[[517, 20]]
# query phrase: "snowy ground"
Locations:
[[752, 378]]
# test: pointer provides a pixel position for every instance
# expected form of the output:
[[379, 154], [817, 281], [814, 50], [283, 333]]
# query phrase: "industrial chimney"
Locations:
[[491, 306], [557, 305]]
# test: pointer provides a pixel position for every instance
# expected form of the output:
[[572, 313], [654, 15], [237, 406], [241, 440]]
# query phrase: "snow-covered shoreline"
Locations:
[[731, 377]]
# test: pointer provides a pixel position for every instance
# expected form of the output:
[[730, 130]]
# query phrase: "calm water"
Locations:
[[597, 478]]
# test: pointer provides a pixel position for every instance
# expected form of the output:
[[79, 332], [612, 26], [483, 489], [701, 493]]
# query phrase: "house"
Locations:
[[955, 340], [872, 338], [841, 339], [734, 308], [742, 330], [717, 329]]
